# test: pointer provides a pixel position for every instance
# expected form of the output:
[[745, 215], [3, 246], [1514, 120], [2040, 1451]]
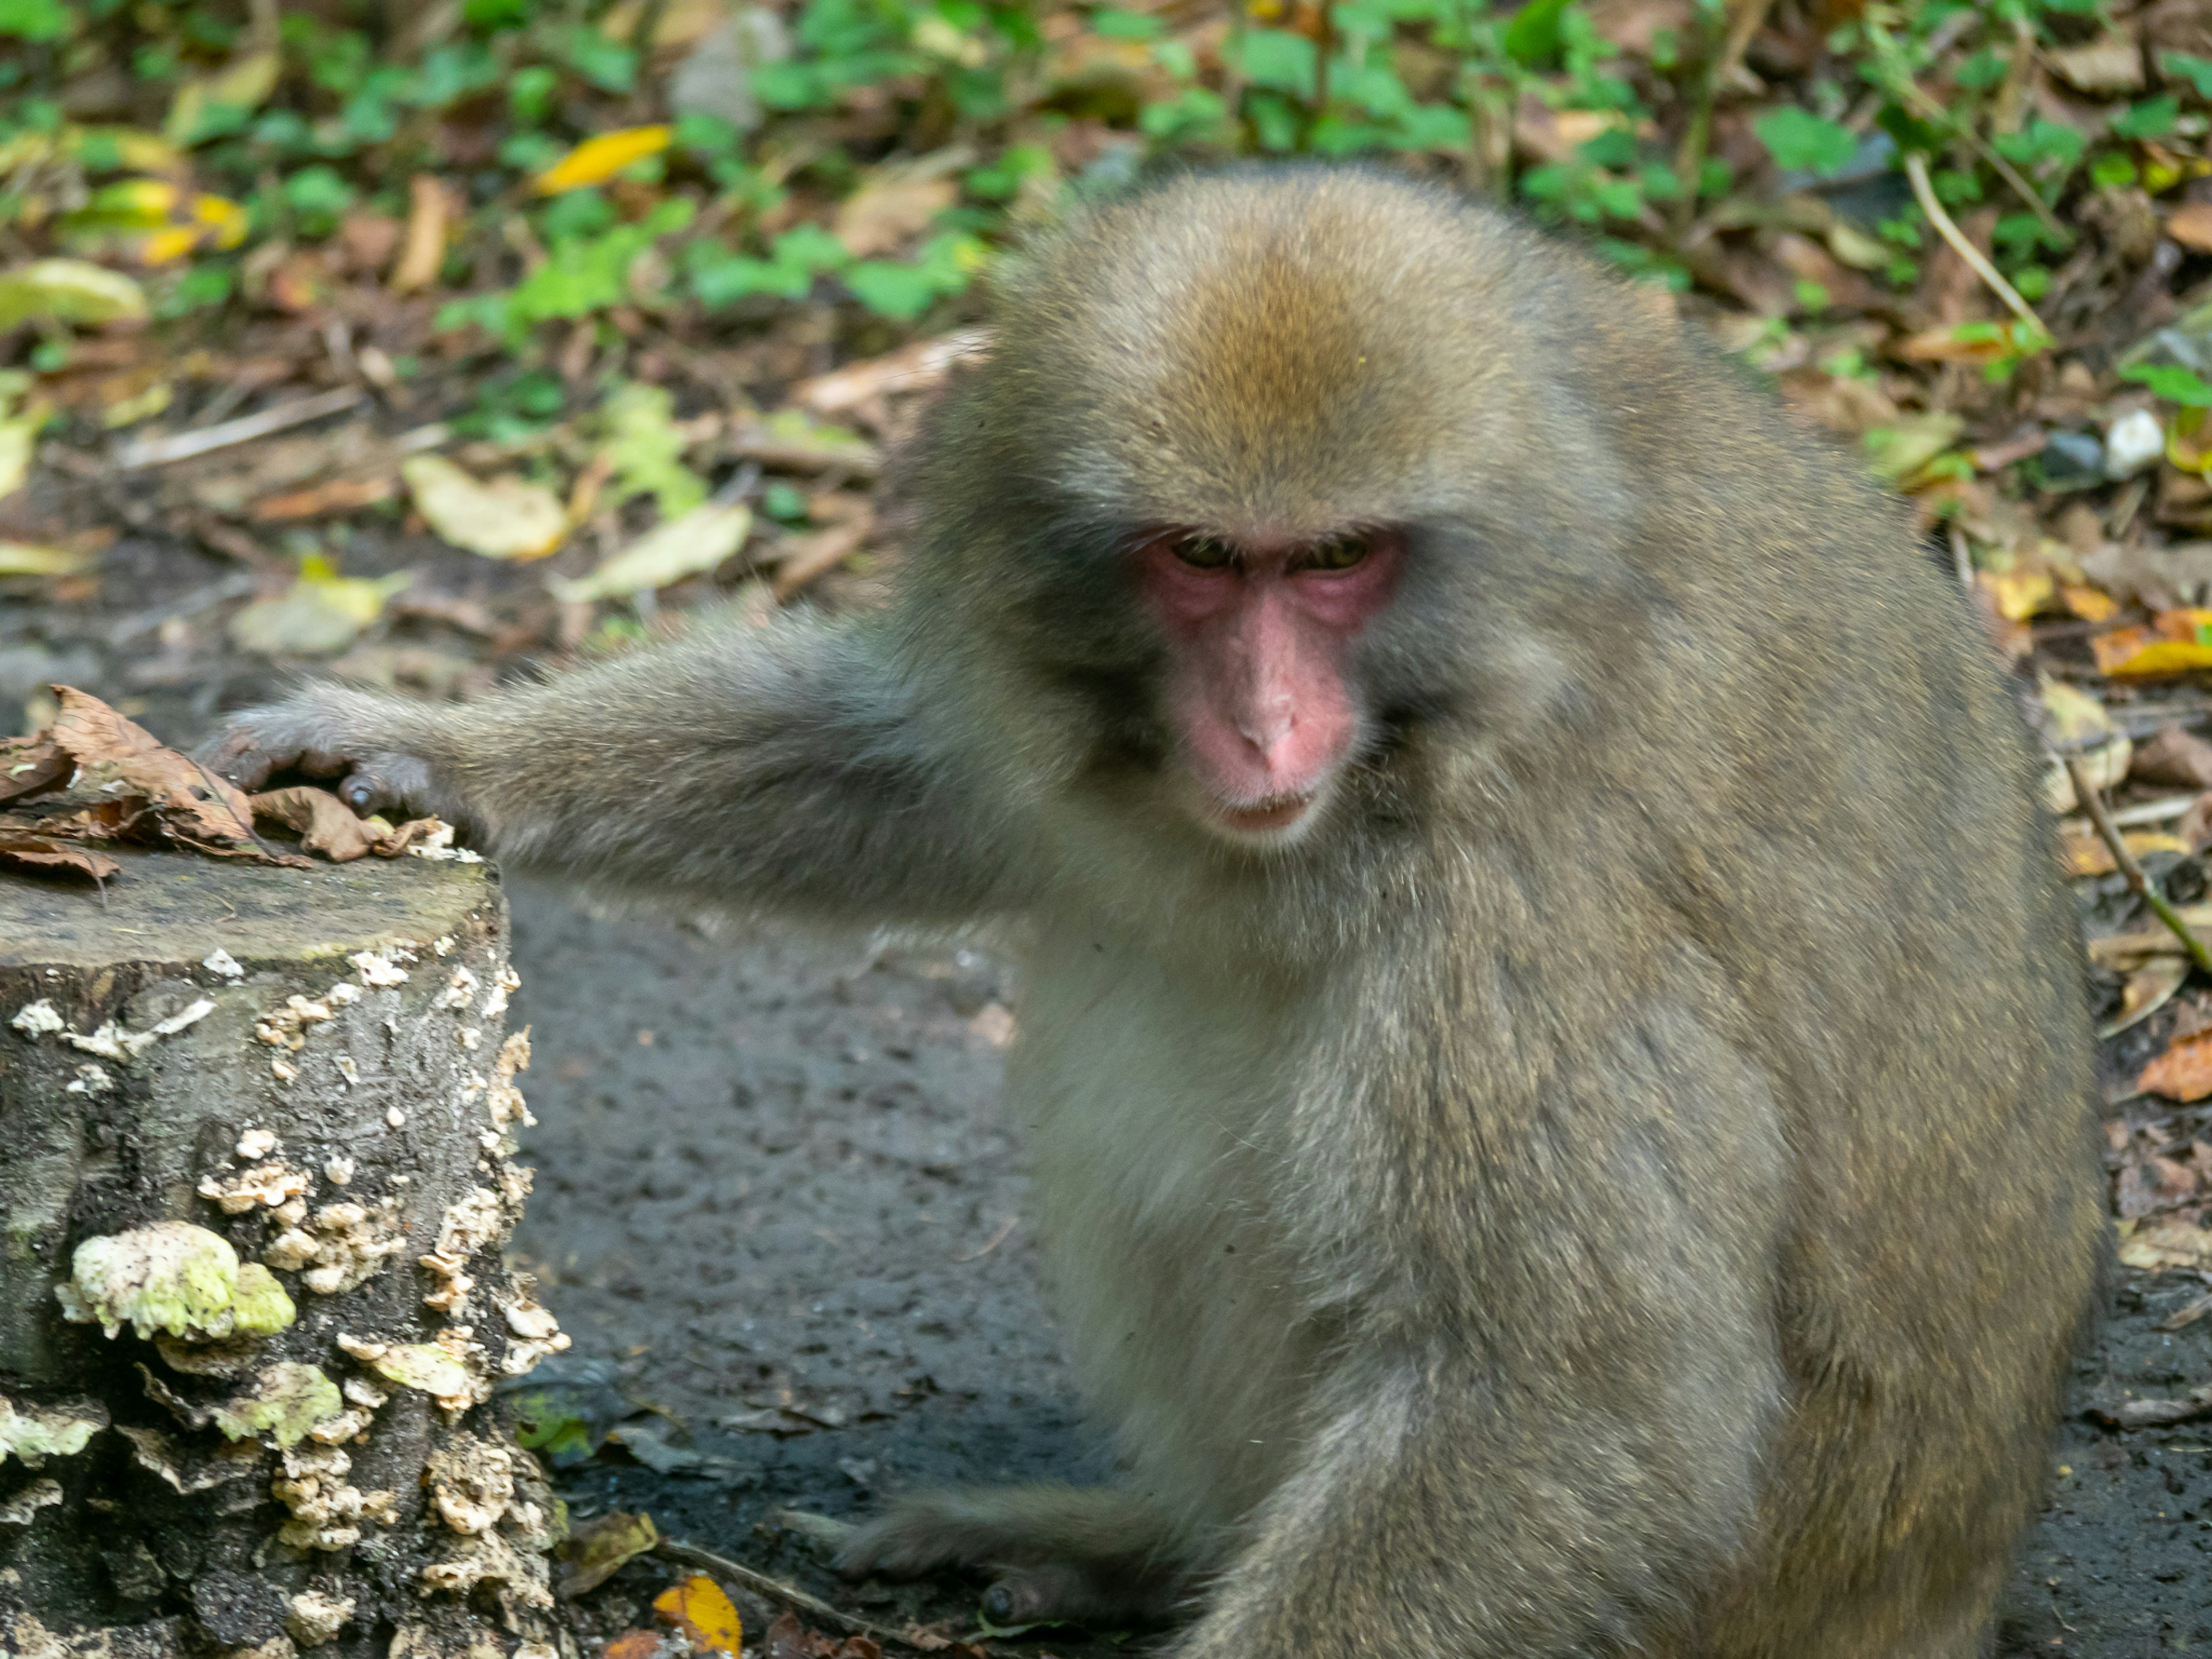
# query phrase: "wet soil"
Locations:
[[778, 1200]]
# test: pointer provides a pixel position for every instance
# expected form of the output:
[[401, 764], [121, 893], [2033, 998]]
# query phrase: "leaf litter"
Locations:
[[95, 778]]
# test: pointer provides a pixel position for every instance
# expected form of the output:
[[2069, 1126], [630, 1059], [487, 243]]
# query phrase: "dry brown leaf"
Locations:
[[194, 805], [30, 764], [338, 495], [422, 249], [636, 1645], [892, 207], [2148, 989], [2164, 1241], [326, 824], [2174, 754], [2184, 1072], [26, 848], [2190, 225]]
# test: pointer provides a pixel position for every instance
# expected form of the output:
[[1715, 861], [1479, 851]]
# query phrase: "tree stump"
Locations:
[[255, 1169]]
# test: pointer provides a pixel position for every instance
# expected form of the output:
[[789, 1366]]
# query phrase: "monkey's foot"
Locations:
[[1058, 1554]]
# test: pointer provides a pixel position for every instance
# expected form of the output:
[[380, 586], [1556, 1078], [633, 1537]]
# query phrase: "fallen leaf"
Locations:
[[644, 450], [30, 764], [2104, 68], [194, 805], [69, 291], [703, 1613], [2148, 989], [422, 248], [690, 546], [506, 519], [2174, 754], [18, 432], [2086, 853], [914, 368], [2190, 225], [596, 1550], [1898, 451], [322, 500], [2184, 1072], [325, 824], [597, 159], [23, 559], [2019, 595], [319, 616], [2075, 723], [893, 205], [26, 849], [2091, 605], [636, 1645], [2161, 1242], [244, 83]]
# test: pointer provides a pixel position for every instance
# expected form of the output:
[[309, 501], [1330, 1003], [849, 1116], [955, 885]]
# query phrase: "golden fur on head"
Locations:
[[1283, 349]]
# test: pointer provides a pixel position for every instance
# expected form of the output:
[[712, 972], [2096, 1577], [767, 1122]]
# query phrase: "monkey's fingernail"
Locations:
[[999, 1604], [358, 791]]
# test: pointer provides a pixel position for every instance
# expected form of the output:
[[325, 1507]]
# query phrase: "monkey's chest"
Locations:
[[1147, 1098]]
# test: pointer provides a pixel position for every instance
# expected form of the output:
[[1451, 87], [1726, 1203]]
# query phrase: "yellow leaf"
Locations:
[[67, 291], [144, 152], [140, 406], [223, 217], [2019, 595], [687, 546], [2162, 658], [244, 83], [320, 614], [700, 1609], [172, 242], [506, 519], [23, 559], [2090, 604], [597, 159], [2086, 853]]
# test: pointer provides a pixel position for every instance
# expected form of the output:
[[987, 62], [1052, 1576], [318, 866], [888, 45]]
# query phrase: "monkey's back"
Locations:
[[1859, 845]]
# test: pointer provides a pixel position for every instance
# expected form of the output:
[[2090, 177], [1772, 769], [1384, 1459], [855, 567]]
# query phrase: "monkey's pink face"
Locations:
[[1260, 640]]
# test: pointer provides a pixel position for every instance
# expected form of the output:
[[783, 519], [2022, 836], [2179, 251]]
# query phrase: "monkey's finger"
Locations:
[[384, 782]]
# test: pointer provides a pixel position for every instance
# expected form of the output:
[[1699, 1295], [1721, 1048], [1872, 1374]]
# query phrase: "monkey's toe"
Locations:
[[1096, 1595]]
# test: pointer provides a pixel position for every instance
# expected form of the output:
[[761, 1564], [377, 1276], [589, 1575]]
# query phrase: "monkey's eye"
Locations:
[[1204, 552], [1341, 554]]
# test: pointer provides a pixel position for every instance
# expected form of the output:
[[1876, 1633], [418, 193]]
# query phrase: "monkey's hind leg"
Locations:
[[1094, 1556]]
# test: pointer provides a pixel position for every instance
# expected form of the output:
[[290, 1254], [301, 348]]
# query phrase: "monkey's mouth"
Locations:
[[1273, 815]]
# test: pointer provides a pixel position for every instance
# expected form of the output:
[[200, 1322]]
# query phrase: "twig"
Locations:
[[776, 1590], [1916, 169], [810, 557], [1743, 29], [2138, 882], [183, 446]]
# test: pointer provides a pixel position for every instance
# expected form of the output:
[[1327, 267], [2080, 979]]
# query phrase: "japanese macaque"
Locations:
[[1559, 1085]]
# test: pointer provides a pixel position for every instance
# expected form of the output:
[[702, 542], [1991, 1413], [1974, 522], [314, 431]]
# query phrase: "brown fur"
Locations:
[[1623, 1182]]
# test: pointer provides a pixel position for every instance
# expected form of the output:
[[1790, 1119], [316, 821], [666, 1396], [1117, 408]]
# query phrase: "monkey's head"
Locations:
[[1267, 473]]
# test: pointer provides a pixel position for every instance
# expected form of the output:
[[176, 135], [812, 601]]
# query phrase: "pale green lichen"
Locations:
[[173, 1277], [286, 1400], [34, 1433]]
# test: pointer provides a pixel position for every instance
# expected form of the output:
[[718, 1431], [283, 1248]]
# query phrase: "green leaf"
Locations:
[[1280, 60], [1800, 141], [2040, 141], [2186, 66], [2172, 382], [1534, 38], [34, 20], [2153, 117]]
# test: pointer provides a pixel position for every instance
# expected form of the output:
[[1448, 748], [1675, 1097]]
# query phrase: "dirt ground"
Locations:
[[778, 1201]]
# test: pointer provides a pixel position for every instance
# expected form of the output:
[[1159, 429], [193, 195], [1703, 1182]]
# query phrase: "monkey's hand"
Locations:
[[374, 747]]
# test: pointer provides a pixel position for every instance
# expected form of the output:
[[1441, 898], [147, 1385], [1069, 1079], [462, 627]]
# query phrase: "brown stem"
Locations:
[[2138, 882]]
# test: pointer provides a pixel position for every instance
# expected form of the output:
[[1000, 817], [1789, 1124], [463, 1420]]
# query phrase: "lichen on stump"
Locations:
[[256, 1139]]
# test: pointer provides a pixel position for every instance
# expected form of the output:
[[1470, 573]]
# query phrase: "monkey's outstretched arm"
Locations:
[[790, 767]]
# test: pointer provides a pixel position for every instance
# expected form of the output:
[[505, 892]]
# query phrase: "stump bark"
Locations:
[[255, 1169]]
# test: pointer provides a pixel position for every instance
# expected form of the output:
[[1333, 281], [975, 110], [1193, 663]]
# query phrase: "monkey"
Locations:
[[1549, 1027]]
